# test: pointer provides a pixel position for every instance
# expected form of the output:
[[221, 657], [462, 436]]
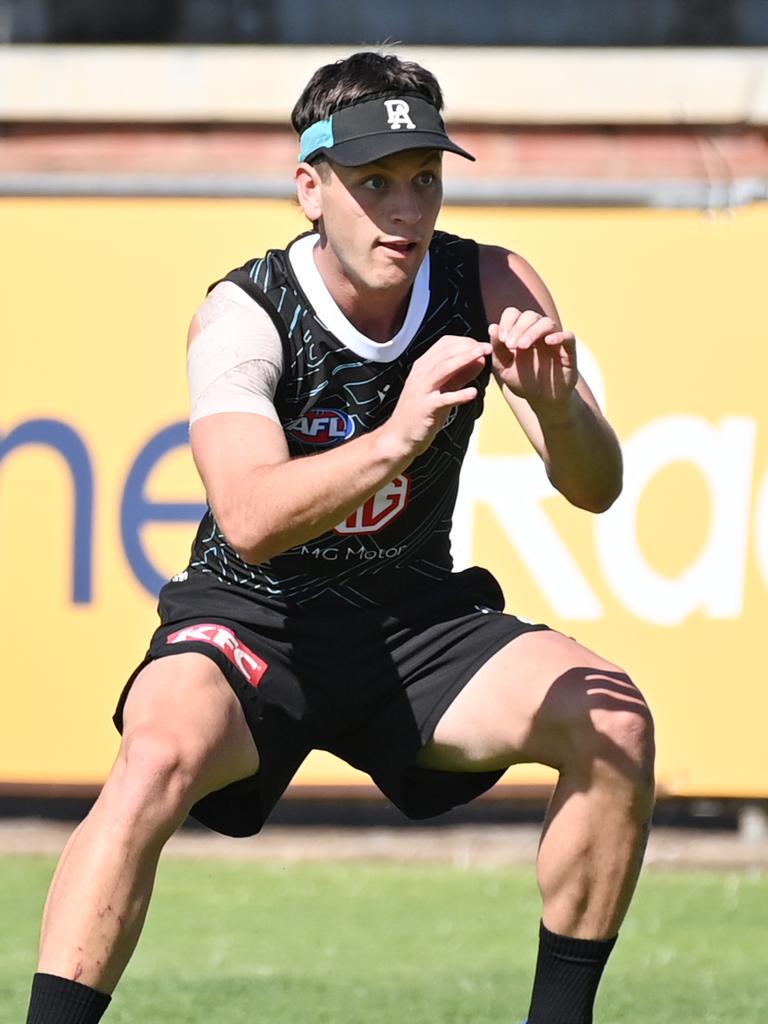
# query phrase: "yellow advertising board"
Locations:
[[98, 494]]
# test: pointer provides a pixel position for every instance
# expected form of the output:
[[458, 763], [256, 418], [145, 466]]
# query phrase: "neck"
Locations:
[[378, 313]]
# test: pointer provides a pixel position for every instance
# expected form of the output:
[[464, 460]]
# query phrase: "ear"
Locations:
[[308, 191]]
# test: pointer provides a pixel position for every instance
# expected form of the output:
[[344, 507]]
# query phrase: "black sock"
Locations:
[[57, 1000], [568, 972]]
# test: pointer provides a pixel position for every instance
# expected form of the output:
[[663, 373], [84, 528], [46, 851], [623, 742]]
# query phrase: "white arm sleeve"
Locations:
[[235, 362]]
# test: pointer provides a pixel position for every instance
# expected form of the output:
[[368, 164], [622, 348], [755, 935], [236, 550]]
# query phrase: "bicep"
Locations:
[[509, 280], [234, 362], [228, 447]]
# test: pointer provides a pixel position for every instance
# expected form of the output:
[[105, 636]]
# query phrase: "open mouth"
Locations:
[[401, 248]]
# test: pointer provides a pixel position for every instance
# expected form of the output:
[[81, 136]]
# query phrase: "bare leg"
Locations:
[[546, 699], [184, 736]]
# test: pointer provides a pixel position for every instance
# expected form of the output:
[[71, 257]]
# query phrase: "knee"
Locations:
[[156, 775], [630, 732], [615, 735], [626, 739]]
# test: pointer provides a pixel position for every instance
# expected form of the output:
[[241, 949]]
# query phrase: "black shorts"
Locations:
[[368, 686]]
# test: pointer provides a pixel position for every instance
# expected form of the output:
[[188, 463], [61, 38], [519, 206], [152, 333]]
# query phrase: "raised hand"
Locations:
[[438, 380], [534, 357]]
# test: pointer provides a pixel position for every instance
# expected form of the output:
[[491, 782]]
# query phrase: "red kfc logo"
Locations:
[[380, 509], [251, 665]]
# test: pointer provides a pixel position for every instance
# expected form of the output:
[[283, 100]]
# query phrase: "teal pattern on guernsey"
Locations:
[[398, 541]]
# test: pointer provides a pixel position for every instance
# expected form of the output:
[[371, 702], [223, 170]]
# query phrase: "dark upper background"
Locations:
[[636, 23]]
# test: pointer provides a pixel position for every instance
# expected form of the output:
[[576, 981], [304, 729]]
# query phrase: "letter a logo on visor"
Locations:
[[398, 114]]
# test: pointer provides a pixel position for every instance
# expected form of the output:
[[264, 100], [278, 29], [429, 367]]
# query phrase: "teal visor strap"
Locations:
[[318, 136]]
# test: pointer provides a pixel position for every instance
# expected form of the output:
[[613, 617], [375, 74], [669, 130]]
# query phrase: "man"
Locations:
[[334, 387]]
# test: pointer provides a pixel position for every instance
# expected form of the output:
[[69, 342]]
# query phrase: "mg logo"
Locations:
[[398, 114], [379, 510]]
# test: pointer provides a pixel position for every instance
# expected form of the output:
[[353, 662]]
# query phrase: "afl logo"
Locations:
[[322, 426]]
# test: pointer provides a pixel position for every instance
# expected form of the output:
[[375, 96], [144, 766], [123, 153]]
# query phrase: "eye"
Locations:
[[376, 183], [426, 178]]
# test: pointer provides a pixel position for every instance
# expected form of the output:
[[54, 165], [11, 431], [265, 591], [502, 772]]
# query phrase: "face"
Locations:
[[375, 221]]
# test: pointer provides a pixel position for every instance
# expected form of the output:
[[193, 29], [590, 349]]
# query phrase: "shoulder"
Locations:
[[455, 259], [507, 279], [261, 275], [451, 247], [228, 311]]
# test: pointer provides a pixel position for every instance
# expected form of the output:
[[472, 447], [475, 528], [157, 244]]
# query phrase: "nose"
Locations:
[[406, 208]]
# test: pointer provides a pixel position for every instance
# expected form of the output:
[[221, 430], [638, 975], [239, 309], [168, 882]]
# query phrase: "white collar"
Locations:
[[304, 267]]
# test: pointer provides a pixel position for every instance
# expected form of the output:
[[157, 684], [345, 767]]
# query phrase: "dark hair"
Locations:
[[363, 75]]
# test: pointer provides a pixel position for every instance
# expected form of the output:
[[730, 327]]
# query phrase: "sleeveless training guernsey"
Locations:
[[398, 541]]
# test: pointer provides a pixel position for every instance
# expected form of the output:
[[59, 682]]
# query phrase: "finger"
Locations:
[[476, 352], [528, 370], [565, 338], [535, 332], [451, 347], [462, 376], [562, 352], [472, 360], [452, 341], [502, 354], [555, 373], [460, 397], [507, 321], [522, 322], [559, 382], [432, 370]]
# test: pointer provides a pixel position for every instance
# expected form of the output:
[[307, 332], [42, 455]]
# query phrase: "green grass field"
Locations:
[[361, 943]]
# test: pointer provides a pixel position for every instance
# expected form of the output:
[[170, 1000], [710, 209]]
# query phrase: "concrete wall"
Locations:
[[488, 85]]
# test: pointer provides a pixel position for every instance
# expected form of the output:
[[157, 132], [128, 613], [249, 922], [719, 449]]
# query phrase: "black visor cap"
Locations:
[[377, 128]]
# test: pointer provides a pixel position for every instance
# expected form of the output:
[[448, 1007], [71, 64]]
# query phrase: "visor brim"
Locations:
[[370, 148]]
